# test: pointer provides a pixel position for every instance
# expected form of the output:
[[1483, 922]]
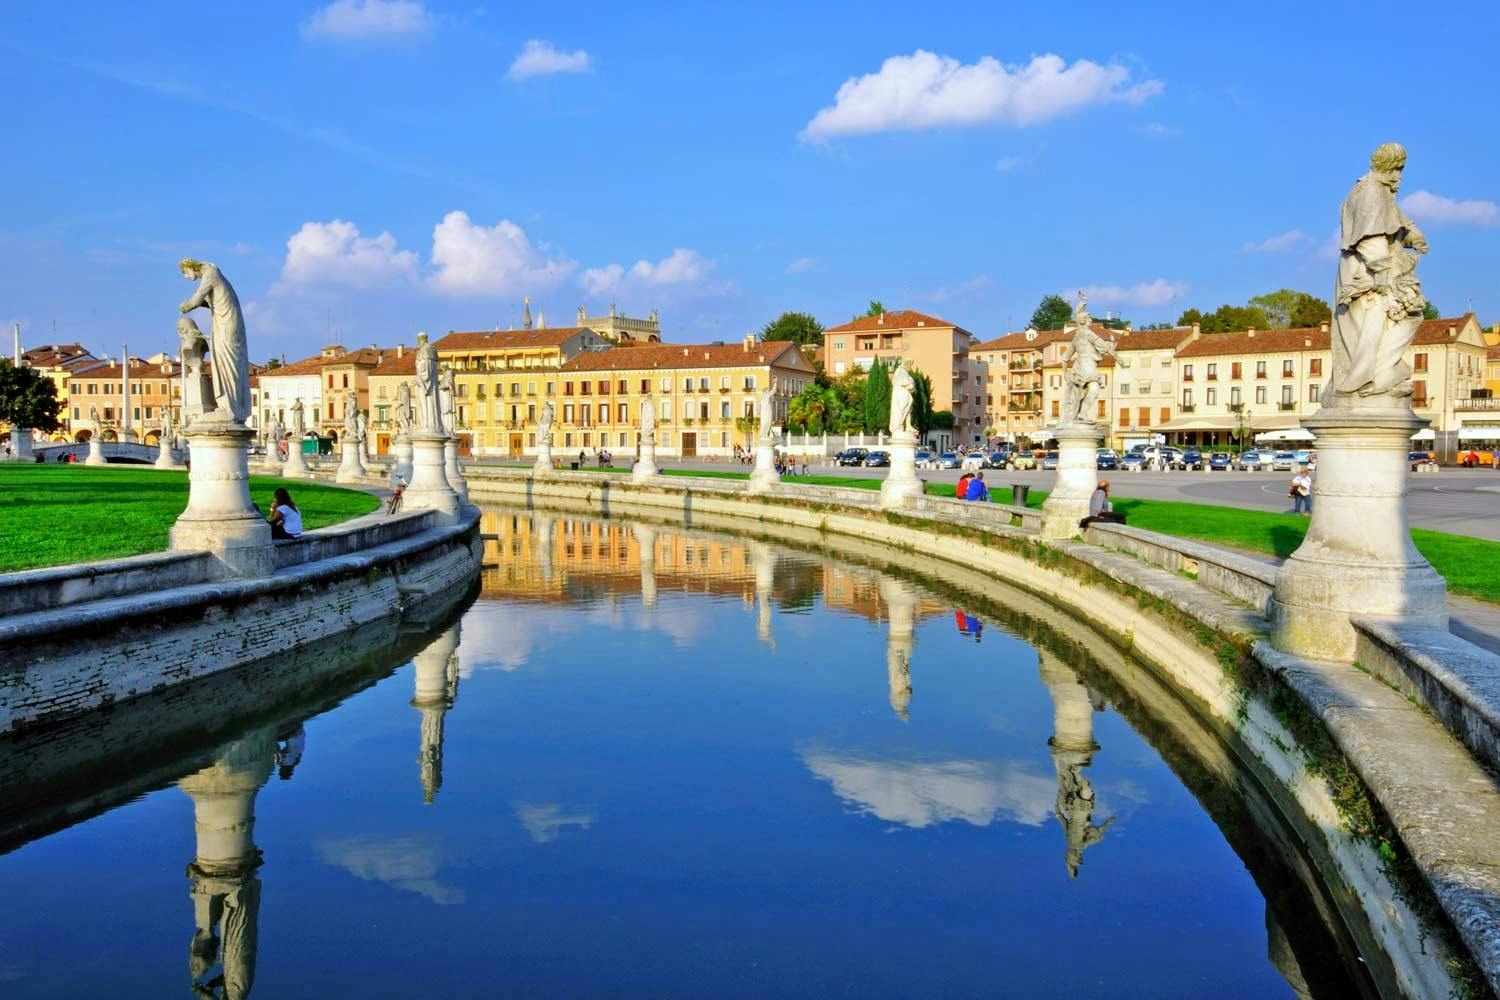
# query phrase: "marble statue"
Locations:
[[94, 417], [273, 435], [299, 427], [428, 416], [403, 415], [361, 427], [648, 422], [1081, 311], [1378, 301], [197, 385], [767, 410], [544, 425], [446, 392], [902, 388], [351, 419], [168, 431], [228, 348], [1082, 383]]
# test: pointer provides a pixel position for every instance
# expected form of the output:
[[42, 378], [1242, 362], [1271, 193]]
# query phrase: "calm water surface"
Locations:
[[661, 762]]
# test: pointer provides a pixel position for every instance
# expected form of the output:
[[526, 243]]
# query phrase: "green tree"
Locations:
[[1287, 308], [877, 398], [1310, 311], [1189, 317], [1052, 313], [875, 309], [1430, 311], [921, 403], [798, 327], [27, 398], [848, 415], [1227, 318], [942, 420], [811, 409]]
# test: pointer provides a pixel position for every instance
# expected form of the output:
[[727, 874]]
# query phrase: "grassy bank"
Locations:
[[56, 514]]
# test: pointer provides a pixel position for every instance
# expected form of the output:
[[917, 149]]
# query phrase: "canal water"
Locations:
[[659, 761]]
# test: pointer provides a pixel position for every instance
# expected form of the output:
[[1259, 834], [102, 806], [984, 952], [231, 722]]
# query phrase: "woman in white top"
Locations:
[[286, 519]]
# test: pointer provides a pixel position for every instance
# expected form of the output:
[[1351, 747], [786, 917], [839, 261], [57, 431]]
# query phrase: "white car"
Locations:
[[973, 461]]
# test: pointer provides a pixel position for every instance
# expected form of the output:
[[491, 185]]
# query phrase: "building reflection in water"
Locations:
[[225, 888], [436, 682], [900, 601], [1073, 749]]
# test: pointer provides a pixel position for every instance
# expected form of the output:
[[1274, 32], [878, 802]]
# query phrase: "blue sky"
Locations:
[[368, 168]]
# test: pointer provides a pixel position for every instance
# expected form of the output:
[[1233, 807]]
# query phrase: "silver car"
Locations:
[[1284, 461]]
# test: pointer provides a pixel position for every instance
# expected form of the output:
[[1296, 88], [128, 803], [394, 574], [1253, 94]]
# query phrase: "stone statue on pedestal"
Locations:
[[361, 429], [429, 417], [1082, 382], [903, 386], [446, 392], [1378, 301], [299, 427], [351, 420], [168, 431], [403, 414], [648, 422], [767, 411], [197, 385], [229, 349], [544, 425], [94, 418]]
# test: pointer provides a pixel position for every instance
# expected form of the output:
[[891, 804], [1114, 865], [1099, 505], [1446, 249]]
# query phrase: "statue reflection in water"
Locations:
[[900, 602], [436, 681], [645, 541], [225, 888], [763, 558], [1073, 747]]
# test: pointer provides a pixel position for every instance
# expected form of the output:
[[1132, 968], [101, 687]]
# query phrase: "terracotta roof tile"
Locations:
[[1152, 340], [900, 319], [502, 340], [307, 366], [1210, 345], [1018, 342], [680, 356], [1435, 331]]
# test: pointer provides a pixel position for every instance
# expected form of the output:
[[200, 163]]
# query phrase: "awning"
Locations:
[[1425, 434], [1481, 432], [1294, 434], [1228, 422]]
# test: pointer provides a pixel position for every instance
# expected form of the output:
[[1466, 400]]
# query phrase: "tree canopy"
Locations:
[[27, 398], [798, 327], [1051, 313], [1226, 318], [876, 308], [1287, 308], [921, 402], [878, 398], [1430, 311]]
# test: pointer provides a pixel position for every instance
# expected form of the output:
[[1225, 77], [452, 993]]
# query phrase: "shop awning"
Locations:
[[1481, 432], [1294, 434], [1229, 422], [1425, 434]]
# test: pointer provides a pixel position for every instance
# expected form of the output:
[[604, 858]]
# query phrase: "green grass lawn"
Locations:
[[56, 514]]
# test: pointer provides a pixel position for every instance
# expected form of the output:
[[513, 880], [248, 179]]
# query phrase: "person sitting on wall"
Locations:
[[286, 519], [1100, 509], [977, 490], [961, 488]]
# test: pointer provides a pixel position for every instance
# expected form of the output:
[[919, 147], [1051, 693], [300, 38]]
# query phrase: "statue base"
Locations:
[[543, 464], [429, 489], [166, 459], [296, 461], [764, 477], [401, 456], [901, 482], [351, 465], [645, 468], [1077, 479], [1358, 558], [220, 517], [20, 445], [455, 474], [96, 451]]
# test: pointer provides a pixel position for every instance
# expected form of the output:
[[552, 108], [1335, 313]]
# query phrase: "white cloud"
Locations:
[[539, 58], [802, 265], [368, 19], [1146, 295], [335, 253], [685, 270], [1329, 248], [925, 90], [406, 863], [602, 280], [1007, 163], [546, 821], [489, 260], [1424, 206], [924, 794], [1291, 241], [1159, 130]]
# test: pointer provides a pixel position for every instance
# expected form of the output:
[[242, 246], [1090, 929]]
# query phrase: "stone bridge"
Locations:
[[115, 451]]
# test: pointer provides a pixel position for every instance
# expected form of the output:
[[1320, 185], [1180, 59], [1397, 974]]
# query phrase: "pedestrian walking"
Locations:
[[1301, 492]]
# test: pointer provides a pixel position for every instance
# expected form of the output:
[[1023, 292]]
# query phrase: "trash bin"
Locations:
[[573, 466], [1019, 493]]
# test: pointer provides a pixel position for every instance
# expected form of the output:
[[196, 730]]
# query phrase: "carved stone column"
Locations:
[[452, 471], [645, 468], [220, 517], [1077, 479], [901, 482], [764, 478], [96, 450], [543, 464], [401, 459], [351, 463], [429, 489], [296, 461]]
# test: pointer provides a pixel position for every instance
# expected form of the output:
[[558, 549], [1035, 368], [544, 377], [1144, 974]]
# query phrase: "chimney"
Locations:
[[1306, 341], [1196, 331], [400, 350], [749, 341], [1251, 332], [684, 352], [880, 319]]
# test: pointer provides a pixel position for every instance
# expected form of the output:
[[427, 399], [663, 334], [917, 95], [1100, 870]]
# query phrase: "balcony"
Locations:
[[1212, 377], [1188, 408], [1486, 404], [1235, 407], [1187, 377], [1286, 407]]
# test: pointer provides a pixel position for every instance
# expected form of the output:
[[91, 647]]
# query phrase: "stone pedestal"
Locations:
[[401, 460], [429, 489], [351, 464], [901, 482], [764, 478], [296, 461], [543, 464], [1077, 478], [20, 445], [1358, 557], [220, 517], [645, 468], [166, 458], [96, 451], [454, 473]]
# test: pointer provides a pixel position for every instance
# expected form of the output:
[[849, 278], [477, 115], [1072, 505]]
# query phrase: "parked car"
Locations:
[[1107, 460], [925, 459], [997, 460], [1132, 461], [878, 459], [1283, 461], [1190, 460], [1022, 460], [1219, 461], [973, 460], [1416, 459], [853, 456], [1307, 457], [1254, 461], [948, 460], [1049, 462]]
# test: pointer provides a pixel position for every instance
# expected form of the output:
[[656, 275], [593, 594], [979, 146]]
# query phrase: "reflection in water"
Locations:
[[1073, 749], [901, 607], [546, 820], [645, 539], [226, 891], [922, 794], [764, 560], [407, 863], [436, 680]]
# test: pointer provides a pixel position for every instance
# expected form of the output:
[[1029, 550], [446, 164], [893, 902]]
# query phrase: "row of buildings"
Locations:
[[1180, 384]]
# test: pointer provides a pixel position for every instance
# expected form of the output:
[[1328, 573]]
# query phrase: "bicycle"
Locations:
[[393, 505]]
